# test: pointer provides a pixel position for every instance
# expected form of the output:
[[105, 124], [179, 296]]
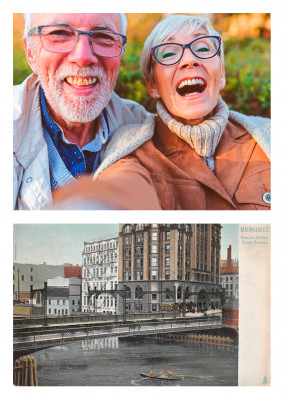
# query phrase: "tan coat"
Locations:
[[181, 179]]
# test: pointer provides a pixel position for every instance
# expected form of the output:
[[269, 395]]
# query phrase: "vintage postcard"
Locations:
[[141, 305]]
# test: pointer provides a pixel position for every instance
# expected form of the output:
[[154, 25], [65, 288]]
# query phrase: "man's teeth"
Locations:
[[81, 81], [191, 82]]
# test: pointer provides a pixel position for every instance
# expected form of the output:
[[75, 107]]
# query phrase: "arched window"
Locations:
[[179, 291]]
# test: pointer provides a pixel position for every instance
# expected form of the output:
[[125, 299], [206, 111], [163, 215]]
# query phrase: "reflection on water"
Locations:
[[100, 344], [116, 362]]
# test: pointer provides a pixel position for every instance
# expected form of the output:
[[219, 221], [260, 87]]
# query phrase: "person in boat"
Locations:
[[161, 374], [196, 154], [151, 373], [170, 374]]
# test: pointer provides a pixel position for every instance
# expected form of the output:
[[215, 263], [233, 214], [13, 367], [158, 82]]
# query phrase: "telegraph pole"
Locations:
[[18, 283]]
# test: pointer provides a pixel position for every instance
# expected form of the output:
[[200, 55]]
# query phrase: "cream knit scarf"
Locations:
[[203, 138]]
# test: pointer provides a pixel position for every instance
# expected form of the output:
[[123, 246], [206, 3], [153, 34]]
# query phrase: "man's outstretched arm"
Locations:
[[125, 185]]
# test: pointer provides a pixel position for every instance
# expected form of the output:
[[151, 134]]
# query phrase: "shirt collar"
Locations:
[[52, 128], [101, 136]]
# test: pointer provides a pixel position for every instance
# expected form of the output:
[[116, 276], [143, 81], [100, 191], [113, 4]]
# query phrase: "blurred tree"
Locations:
[[140, 25], [21, 68], [242, 25]]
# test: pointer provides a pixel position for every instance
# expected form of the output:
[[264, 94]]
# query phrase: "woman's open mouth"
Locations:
[[190, 87]]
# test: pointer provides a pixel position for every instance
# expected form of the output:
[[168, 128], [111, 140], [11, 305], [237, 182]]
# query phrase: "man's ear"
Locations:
[[151, 86], [30, 55], [222, 78]]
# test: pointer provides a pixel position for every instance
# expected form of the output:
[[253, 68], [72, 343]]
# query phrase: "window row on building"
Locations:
[[100, 246]]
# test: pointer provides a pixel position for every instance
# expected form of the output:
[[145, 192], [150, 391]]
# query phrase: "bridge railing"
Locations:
[[89, 317], [51, 338]]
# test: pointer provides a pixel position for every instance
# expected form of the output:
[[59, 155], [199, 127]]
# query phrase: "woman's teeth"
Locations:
[[189, 87], [191, 82]]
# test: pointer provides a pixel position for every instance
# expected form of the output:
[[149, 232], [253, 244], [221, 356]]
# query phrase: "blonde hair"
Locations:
[[169, 27]]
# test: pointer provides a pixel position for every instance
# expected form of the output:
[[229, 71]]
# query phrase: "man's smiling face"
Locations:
[[78, 84]]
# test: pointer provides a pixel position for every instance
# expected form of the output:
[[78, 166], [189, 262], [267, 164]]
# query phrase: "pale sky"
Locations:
[[56, 244]]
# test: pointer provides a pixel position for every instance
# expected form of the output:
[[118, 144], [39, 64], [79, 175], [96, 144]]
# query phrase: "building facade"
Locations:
[[100, 276], [165, 267], [63, 296], [230, 275]]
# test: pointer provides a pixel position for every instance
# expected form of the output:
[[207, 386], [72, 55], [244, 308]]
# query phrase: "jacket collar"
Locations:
[[168, 142]]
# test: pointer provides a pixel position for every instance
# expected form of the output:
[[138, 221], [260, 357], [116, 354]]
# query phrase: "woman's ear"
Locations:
[[222, 78], [30, 55], [152, 89]]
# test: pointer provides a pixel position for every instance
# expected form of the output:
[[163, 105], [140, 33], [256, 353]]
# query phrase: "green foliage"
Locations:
[[131, 83], [21, 68], [247, 64]]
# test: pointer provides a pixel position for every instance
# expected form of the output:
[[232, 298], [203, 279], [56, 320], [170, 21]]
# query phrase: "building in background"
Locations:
[[100, 273], [166, 267], [36, 276], [230, 314], [73, 271], [230, 275], [63, 296], [25, 275]]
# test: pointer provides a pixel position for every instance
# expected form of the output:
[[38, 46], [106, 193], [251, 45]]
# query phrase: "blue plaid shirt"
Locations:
[[77, 160]]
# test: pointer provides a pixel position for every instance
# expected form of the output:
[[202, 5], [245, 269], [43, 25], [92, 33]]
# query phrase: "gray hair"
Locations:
[[169, 27], [29, 20]]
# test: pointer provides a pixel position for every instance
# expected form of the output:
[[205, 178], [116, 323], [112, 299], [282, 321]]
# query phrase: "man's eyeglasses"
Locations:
[[61, 39], [170, 53]]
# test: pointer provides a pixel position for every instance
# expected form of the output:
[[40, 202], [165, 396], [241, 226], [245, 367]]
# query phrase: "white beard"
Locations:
[[76, 108]]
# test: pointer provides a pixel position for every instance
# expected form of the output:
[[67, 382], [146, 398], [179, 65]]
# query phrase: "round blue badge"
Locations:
[[267, 197]]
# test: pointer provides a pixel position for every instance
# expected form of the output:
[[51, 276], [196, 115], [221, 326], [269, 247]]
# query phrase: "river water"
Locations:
[[117, 362]]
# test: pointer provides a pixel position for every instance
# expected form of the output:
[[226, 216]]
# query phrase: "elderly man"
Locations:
[[65, 112]]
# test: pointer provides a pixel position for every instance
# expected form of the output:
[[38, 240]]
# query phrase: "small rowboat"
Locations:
[[163, 377]]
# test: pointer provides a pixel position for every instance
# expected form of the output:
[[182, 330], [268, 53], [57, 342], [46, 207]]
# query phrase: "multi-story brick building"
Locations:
[[230, 275], [169, 266], [100, 272]]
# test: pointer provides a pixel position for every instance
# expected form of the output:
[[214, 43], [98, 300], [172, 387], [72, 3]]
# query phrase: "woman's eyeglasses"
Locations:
[[171, 53]]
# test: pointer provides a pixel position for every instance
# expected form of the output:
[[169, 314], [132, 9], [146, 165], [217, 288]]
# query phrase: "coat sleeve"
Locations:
[[125, 185]]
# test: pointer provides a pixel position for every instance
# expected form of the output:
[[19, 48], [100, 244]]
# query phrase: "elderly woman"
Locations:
[[195, 154]]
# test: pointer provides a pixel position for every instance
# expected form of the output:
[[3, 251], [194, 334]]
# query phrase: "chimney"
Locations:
[[229, 257]]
